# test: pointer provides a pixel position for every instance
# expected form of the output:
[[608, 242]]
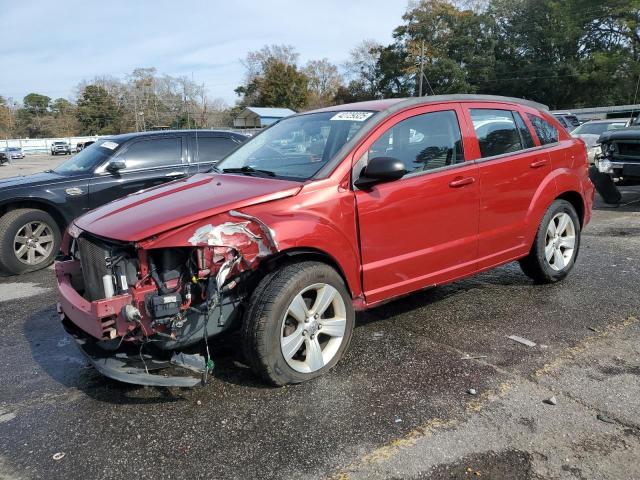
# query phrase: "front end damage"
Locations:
[[136, 309]]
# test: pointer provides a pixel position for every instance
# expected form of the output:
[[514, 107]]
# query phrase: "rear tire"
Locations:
[[298, 323], [29, 240], [556, 245], [605, 186]]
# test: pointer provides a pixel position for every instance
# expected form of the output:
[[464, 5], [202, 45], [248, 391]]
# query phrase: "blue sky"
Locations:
[[50, 46]]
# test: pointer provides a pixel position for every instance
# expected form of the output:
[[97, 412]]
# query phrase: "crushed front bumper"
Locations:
[[134, 365], [97, 324]]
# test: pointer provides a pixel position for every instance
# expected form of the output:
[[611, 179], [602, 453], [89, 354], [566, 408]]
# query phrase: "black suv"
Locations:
[[35, 209]]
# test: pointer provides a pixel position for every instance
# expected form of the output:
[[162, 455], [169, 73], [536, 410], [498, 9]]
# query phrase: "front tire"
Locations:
[[29, 240], [298, 323], [556, 245]]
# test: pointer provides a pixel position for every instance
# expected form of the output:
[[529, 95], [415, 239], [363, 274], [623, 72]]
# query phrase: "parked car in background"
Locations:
[[4, 158], [58, 148], [567, 120], [35, 209], [15, 153], [377, 200], [82, 145], [590, 132]]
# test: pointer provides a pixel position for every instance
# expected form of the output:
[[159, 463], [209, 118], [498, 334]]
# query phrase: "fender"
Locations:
[[319, 222], [53, 207], [555, 184]]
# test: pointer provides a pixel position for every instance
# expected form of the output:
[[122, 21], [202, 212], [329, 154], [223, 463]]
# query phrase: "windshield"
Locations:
[[296, 147], [597, 128], [88, 159]]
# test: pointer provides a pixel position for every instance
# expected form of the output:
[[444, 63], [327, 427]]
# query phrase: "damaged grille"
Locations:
[[93, 259], [629, 149]]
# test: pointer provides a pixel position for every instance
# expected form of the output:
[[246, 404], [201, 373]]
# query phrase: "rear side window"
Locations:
[[546, 132], [496, 131], [525, 134], [155, 152], [424, 142], [212, 149]]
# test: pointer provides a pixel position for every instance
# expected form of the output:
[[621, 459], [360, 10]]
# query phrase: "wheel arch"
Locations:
[[36, 205], [299, 254], [575, 199]]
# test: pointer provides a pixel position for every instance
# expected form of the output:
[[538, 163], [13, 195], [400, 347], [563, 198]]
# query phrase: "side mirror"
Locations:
[[381, 169], [115, 165]]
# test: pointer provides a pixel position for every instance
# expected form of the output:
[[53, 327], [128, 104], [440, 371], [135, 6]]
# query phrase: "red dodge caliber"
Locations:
[[323, 214]]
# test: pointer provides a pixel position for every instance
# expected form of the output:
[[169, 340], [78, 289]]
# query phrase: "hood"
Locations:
[[629, 133], [151, 212], [43, 178]]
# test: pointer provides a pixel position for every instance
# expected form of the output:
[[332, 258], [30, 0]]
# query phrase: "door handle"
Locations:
[[461, 182], [175, 174], [539, 163]]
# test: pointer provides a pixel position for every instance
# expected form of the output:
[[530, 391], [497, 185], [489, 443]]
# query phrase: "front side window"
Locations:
[[424, 142], [496, 131], [154, 152], [212, 149], [546, 132], [297, 147]]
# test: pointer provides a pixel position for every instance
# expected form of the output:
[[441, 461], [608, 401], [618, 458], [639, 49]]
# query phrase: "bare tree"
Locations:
[[324, 82]]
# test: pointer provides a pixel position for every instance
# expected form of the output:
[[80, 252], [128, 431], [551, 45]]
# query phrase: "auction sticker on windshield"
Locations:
[[109, 145], [352, 116]]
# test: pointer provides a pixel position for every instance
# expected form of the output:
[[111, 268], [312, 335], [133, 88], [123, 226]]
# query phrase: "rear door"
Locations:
[[511, 166], [150, 161], [207, 149], [422, 229]]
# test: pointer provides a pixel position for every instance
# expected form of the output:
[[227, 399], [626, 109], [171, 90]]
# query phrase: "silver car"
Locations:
[[590, 132], [14, 153]]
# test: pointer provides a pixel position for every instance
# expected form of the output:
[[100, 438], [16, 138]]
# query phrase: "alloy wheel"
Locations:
[[313, 328], [560, 241], [33, 243]]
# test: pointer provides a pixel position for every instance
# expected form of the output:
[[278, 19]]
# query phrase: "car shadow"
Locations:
[[507, 275], [56, 355], [630, 200]]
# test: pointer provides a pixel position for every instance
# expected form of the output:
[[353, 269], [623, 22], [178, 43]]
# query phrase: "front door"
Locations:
[[420, 230], [149, 162]]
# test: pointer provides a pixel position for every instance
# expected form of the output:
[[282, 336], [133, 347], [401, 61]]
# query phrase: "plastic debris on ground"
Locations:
[[522, 340], [473, 357]]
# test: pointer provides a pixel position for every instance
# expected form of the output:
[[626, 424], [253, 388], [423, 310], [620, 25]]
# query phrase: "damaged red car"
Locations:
[[321, 215]]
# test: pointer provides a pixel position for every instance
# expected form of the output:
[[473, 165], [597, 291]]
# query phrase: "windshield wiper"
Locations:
[[248, 170], [214, 169]]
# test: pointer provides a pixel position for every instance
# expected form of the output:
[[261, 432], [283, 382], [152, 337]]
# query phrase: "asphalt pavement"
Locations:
[[31, 163], [397, 405]]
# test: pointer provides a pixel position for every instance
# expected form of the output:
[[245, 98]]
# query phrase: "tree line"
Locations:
[[564, 53]]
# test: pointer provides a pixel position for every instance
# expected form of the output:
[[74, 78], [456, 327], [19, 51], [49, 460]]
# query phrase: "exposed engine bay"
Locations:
[[157, 301]]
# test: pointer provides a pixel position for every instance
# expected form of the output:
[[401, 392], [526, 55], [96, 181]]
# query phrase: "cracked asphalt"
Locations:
[[395, 407]]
